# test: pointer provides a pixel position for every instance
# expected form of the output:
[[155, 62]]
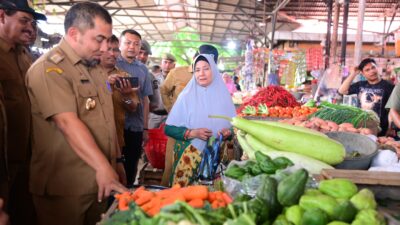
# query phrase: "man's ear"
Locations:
[[73, 33], [2, 16]]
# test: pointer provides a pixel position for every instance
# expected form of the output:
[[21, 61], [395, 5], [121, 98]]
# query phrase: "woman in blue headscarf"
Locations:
[[189, 123]]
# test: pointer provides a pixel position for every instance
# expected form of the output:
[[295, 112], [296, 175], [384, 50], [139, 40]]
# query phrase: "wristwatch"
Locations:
[[128, 101]]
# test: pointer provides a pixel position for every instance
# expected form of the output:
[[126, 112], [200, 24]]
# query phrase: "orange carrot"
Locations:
[[211, 197], [214, 204], [168, 192], [227, 198], [153, 211], [195, 192], [196, 203], [123, 204], [144, 197], [172, 199]]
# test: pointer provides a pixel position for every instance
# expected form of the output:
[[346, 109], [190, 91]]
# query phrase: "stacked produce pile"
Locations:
[[278, 111], [152, 202], [280, 196], [270, 96], [286, 198], [324, 126], [347, 114]]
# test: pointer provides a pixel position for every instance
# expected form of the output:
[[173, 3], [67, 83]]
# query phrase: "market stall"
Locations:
[[288, 172]]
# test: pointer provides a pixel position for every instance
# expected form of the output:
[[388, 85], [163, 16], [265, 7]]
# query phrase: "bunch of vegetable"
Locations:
[[270, 96], [278, 111], [345, 114], [152, 202], [324, 126], [263, 165], [179, 213]]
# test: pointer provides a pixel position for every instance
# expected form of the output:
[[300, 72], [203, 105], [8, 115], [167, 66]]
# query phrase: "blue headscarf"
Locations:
[[196, 103]]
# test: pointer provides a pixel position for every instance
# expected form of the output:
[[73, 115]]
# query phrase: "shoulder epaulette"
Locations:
[[56, 57]]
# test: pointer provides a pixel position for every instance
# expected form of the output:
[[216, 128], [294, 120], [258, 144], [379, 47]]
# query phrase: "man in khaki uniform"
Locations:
[[74, 136], [17, 21], [172, 86]]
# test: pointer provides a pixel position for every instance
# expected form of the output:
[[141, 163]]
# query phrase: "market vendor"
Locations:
[[373, 93], [188, 121]]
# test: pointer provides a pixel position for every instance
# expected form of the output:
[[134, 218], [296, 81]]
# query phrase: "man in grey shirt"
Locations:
[[136, 123]]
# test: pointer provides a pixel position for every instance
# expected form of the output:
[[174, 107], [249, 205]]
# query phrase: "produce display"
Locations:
[[152, 202], [277, 111], [282, 195], [270, 96], [345, 114], [324, 126], [273, 185], [289, 138]]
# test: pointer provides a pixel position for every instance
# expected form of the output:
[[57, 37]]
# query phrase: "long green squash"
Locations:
[[291, 127], [314, 146], [245, 145], [312, 165], [258, 145]]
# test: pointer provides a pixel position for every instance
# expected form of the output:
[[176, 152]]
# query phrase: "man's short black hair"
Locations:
[[113, 39], [81, 15], [130, 31], [364, 62]]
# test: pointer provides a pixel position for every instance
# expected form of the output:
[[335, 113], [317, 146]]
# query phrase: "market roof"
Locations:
[[218, 21]]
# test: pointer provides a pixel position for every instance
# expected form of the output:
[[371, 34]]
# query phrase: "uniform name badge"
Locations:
[[90, 104]]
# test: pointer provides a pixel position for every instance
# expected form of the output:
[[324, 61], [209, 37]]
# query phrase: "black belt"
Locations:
[[162, 112]]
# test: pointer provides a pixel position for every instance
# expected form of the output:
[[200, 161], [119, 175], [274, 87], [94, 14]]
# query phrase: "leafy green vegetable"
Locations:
[[263, 109], [250, 110]]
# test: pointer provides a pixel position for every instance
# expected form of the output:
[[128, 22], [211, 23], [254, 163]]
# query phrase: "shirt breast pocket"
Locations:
[[88, 101]]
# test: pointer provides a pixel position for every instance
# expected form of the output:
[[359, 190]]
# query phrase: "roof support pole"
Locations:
[[359, 34], [328, 33], [271, 46], [346, 5], [335, 31]]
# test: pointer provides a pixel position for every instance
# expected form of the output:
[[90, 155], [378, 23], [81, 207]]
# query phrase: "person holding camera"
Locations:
[[136, 123], [125, 98]]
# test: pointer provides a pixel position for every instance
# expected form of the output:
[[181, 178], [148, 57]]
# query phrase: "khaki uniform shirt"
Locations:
[[14, 62], [173, 85], [119, 108], [59, 82]]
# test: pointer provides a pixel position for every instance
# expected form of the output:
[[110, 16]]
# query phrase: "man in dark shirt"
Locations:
[[373, 93]]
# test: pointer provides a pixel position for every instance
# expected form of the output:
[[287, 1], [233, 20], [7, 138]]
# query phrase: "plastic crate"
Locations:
[[156, 146]]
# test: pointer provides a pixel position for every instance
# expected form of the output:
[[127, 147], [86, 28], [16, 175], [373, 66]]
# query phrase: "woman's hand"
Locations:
[[225, 133], [201, 133]]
